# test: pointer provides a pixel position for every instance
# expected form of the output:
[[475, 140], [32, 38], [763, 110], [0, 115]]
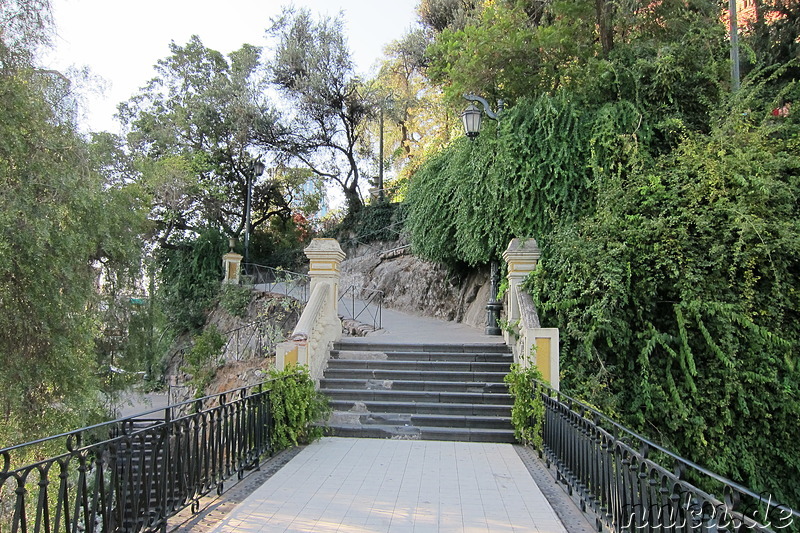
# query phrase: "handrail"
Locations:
[[527, 309], [618, 474], [278, 280], [133, 473], [374, 298], [305, 326]]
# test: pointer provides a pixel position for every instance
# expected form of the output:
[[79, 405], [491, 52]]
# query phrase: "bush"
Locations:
[[203, 358], [381, 221], [235, 299], [190, 276], [527, 413], [298, 408]]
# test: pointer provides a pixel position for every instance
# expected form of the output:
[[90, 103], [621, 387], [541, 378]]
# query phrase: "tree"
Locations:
[[64, 227], [324, 129], [415, 117], [194, 129]]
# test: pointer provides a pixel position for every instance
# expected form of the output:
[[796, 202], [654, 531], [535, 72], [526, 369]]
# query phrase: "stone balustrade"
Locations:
[[531, 343], [319, 325]]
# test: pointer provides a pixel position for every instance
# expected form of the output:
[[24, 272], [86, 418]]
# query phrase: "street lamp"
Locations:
[[471, 117], [256, 170]]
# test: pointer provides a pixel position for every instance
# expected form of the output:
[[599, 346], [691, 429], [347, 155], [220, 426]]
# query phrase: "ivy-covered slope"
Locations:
[[673, 273]]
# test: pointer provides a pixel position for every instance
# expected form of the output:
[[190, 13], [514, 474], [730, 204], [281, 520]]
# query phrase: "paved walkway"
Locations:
[[400, 327], [374, 485]]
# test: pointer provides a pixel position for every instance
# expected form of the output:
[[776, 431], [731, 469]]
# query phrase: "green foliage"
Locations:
[[203, 358], [62, 224], [527, 413], [235, 299], [190, 275], [381, 221], [193, 129], [677, 299], [543, 169], [298, 408]]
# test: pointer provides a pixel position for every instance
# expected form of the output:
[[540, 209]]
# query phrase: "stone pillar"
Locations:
[[522, 256], [325, 256], [231, 264]]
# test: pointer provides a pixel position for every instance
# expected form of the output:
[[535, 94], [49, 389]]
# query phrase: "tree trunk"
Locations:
[[605, 24]]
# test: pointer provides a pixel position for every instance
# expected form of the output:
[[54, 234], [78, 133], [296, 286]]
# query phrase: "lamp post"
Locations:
[[256, 170], [471, 118]]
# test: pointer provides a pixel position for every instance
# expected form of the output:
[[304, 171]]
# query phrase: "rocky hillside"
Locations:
[[415, 286]]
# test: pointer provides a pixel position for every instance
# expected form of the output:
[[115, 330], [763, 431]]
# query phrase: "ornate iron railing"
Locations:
[[278, 280], [134, 473], [623, 478], [362, 304]]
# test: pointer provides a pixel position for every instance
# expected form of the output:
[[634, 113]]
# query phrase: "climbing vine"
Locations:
[[677, 300]]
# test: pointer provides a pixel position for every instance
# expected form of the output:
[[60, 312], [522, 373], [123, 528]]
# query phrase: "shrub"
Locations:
[[297, 408]]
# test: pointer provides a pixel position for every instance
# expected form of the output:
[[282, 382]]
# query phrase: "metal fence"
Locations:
[[132, 474], [277, 280], [362, 304], [625, 480]]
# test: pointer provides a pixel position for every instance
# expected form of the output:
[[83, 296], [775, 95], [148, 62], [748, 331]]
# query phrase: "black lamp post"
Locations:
[[471, 118], [255, 171]]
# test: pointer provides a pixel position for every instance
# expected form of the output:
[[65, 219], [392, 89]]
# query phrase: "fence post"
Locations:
[[231, 263]]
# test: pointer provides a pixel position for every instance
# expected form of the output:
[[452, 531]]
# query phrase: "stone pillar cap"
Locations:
[[324, 247], [522, 248], [232, 255]]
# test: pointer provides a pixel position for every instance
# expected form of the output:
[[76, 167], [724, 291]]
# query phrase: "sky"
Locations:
[[121, 41]]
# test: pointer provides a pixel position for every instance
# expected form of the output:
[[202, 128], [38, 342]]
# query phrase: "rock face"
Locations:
[[418, 287]]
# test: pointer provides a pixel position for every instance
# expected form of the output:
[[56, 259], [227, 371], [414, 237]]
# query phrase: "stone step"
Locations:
[[390, 406], [439, 366], [371, 355], [411, 347], [423, 433], [351, 382], [413, 375], [414, 396], [420, 420]]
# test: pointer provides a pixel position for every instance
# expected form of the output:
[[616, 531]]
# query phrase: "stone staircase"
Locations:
[[431, 391]]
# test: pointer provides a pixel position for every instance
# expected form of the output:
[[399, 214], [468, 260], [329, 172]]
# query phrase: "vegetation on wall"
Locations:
[[677, 301], [666, 210]]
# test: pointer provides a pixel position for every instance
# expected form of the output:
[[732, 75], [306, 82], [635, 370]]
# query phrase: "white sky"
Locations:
[[121, 41]]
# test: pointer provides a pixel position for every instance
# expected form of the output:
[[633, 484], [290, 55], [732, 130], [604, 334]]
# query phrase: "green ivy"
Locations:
[[677, 299], [298, 409], [541, 170], [527, 413], [190, 276]]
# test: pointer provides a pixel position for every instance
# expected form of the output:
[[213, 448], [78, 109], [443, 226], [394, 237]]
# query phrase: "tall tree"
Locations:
[[195, 129], [63, 228], [324, 129], [415, 116]]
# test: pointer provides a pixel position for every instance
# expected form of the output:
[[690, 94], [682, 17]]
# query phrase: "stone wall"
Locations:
[[416, 286]]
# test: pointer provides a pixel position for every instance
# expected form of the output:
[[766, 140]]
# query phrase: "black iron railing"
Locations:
[[278, 280], [362, 304], [625, 480], [132, 474]]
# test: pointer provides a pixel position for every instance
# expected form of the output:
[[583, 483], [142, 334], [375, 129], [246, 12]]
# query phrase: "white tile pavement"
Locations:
[[377, 485]]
